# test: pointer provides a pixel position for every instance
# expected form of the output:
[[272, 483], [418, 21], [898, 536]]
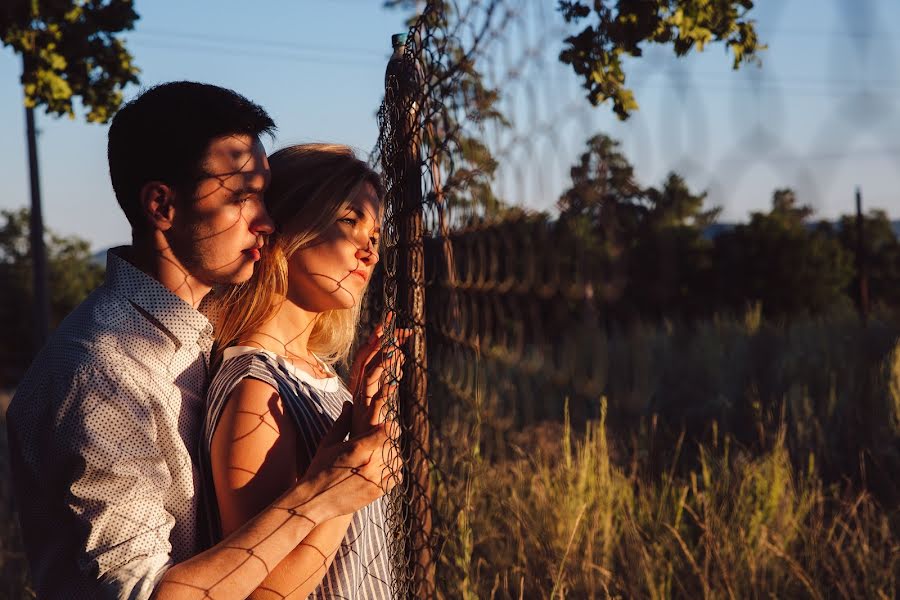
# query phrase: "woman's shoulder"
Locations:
[[240, 363]]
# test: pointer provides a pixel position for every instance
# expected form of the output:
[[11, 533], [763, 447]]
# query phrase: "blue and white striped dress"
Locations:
[[361, 568]]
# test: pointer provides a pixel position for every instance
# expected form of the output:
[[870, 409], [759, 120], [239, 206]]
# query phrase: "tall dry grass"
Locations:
[[739, 459], [567, 522]]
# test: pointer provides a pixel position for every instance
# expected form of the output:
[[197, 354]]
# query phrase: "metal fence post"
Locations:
[[403, 166]]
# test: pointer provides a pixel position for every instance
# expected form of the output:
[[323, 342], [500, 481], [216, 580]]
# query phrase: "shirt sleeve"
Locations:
[[117, 482]]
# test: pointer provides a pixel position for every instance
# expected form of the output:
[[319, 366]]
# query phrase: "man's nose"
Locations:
[[262, 222]]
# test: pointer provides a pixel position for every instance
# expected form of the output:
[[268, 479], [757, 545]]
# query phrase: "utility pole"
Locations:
[[36, 235], [861, 266]]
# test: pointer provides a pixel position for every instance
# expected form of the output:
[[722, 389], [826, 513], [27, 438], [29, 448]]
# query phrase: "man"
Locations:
[[104, 427]]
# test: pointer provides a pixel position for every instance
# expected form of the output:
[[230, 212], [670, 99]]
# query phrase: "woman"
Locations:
[[276, 394]]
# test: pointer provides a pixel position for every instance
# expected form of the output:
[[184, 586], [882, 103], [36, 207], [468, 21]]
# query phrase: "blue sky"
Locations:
[[821, 115]]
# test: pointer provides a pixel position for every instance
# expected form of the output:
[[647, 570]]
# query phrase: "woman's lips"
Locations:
[[361, 274], [253, 253]]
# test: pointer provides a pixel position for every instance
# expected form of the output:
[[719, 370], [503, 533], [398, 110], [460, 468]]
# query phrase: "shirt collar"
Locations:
[[182, 320]]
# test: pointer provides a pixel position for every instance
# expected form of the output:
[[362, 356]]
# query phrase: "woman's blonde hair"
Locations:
[[311, 185]]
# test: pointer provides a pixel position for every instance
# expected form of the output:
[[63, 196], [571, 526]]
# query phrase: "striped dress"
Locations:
[[361, 568]]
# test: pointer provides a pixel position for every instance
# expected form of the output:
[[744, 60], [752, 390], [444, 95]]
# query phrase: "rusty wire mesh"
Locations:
[[512, 313]]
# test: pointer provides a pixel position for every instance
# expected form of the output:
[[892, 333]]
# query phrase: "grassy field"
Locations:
[[733, 459], [565, 521]]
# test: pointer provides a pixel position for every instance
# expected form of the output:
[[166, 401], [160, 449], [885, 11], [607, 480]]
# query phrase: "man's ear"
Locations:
[[158, 204]]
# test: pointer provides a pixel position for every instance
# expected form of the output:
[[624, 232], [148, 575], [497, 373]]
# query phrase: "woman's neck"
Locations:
[[287, 333]]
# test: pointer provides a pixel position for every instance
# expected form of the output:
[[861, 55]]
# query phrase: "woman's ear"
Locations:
[[158, 204]]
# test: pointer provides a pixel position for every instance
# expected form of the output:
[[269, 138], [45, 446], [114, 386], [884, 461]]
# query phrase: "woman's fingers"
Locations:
[[391, 356], [378, 410], [363, 356]]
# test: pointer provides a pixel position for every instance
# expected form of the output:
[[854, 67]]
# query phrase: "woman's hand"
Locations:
[[355, 472], [377, 367]]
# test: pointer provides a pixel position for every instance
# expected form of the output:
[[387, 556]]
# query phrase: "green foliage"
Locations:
[[603, 178], [882, 255], [69, 51], [620, 29], [653, 258], [648, 243], [778, 260], [676, 206], [72, 276]]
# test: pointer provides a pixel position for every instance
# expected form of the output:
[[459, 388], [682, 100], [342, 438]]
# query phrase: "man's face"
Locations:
[[217, 233]]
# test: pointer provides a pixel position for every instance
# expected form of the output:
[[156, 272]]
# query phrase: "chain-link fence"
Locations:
[[614, 295]]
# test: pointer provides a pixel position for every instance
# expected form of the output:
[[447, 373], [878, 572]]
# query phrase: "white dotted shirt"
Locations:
[[103, 433]]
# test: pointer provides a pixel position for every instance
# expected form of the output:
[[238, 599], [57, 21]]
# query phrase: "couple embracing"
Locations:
[[170, 442]]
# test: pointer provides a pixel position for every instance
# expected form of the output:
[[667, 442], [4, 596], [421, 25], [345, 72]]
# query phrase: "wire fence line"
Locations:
[[511, 308]]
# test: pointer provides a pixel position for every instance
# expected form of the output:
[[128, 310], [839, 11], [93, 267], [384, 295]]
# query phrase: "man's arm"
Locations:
[[343, 477], [106, 431]]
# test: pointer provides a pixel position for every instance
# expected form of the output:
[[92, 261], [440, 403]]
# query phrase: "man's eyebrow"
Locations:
[[250, 189]]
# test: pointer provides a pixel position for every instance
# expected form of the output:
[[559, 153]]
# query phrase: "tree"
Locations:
[[71, 268], [69, 51], [780, 261], [618, 29], [604, 209], [672, 263], [676, 206], [882, 254], [647, 243]]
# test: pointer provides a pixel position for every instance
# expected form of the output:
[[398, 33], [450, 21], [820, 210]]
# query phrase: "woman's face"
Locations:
[[332, 272]]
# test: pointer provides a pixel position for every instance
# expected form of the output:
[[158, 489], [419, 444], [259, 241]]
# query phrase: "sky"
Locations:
[[820, 115]]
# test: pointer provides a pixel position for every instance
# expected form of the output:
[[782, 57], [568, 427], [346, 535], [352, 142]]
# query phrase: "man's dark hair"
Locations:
[[163, 134]]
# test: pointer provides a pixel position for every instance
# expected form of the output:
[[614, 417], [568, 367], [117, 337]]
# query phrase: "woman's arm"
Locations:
[[344, 476], [254, 460]]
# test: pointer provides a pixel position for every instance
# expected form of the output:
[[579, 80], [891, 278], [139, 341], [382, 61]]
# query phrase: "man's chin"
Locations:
[[238, 277]]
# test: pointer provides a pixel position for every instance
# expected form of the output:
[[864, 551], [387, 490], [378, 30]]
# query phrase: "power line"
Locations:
[[862, 153], [868, 35], [231, 51], [231, 39]]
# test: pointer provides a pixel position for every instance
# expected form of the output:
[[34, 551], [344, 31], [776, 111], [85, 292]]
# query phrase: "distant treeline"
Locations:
[[72, 274], [660, 253], [715, 229]]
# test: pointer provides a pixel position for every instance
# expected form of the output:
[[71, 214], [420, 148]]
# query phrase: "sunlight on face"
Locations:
[[219, 234], [333, 271]]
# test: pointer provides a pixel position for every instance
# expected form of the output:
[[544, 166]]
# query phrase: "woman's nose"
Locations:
[[367, 252]]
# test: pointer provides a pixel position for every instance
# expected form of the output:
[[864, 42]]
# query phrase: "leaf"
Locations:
[[594, 52], [70, 50]]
